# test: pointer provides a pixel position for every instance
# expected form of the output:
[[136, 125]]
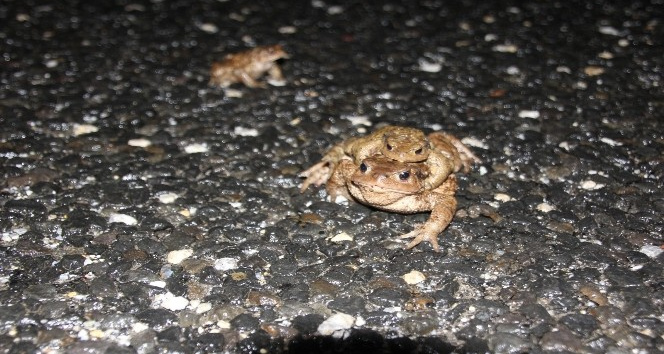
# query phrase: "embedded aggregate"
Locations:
[[143, 211]]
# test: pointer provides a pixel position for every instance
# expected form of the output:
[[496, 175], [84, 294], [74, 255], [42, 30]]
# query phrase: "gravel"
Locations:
[[144, 211]]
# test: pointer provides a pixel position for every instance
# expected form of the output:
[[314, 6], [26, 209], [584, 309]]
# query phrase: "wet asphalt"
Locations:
[[143, 211]]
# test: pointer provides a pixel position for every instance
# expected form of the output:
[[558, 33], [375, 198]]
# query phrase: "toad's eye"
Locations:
[[363, 167], [404, 175], [418, 151], [389, 147]]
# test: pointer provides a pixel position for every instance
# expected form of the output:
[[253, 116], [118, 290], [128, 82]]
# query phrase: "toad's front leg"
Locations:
[[443, 208]]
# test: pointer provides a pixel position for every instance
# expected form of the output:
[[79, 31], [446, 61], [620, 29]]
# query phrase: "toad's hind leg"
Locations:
[[442, 141], [322, 171]]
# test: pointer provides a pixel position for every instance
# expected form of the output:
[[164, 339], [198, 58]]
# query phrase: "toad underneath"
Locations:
[[247, 66], [398, 187]]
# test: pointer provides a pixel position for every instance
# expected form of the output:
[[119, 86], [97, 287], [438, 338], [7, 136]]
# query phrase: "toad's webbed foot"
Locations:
[[421, 233], [317, 175]]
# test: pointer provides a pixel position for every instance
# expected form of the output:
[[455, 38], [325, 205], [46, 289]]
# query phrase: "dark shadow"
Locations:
[[365, 341]]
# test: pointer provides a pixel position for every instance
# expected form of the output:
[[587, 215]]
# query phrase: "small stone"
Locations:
[[593, 70], [545, 207], [171, 302], [123, 219], [651, 251], [224, 264], [502, 197], [176, 257], [359, 120], [610, 142], [428, 66], [561, 340], [605, 55], [242, 131], [336, 325], [208, 27], [287, 29], [167, 197], [140, 142], [609, 30], [505, 48], [82, 129], [591, 185], [196, 148], [341, 237], [508, 343], [414, 277], [529, 114]]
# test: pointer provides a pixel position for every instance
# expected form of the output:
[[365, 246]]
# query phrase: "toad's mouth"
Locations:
[[385, 189]]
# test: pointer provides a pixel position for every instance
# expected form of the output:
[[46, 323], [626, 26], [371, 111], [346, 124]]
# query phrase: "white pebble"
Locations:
[[81, 129], [335, 10], [171, 302], [611, 31], [610, 141], [336, 323], [208, 27], [233, 93], [203, 307], [196, 148], [342, 236], [651, 251], [139, 327], [359, 120], [413, 277], [226, 263], [513, 70], [591, 185], [51, 63], [167, 197], [287, 29], [176, 257], [223, 324], [502, 197], [158, 284], [12, 235], [123, 218], [545, 207], [429, 67], [140, 142], [505, 48], [242, 131], [529, 114]]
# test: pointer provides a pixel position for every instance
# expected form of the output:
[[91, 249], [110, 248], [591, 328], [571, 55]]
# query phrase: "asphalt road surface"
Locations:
[[143, 210]]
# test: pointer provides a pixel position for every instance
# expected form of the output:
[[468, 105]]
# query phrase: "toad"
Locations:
[[247, 66], [399, 187], [442, 153]]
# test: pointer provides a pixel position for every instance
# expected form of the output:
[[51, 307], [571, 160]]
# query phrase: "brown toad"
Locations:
[[247, 66], [441, 152], [397, 187]]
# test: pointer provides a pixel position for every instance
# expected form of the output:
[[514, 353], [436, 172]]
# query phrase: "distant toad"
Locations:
[[398, 187], [247, 66], [441, 152]]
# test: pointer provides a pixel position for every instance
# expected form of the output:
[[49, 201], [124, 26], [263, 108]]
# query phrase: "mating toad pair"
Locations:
[[397, 169]]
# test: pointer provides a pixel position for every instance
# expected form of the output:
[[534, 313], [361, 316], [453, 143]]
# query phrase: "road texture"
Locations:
[[143, 210]]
